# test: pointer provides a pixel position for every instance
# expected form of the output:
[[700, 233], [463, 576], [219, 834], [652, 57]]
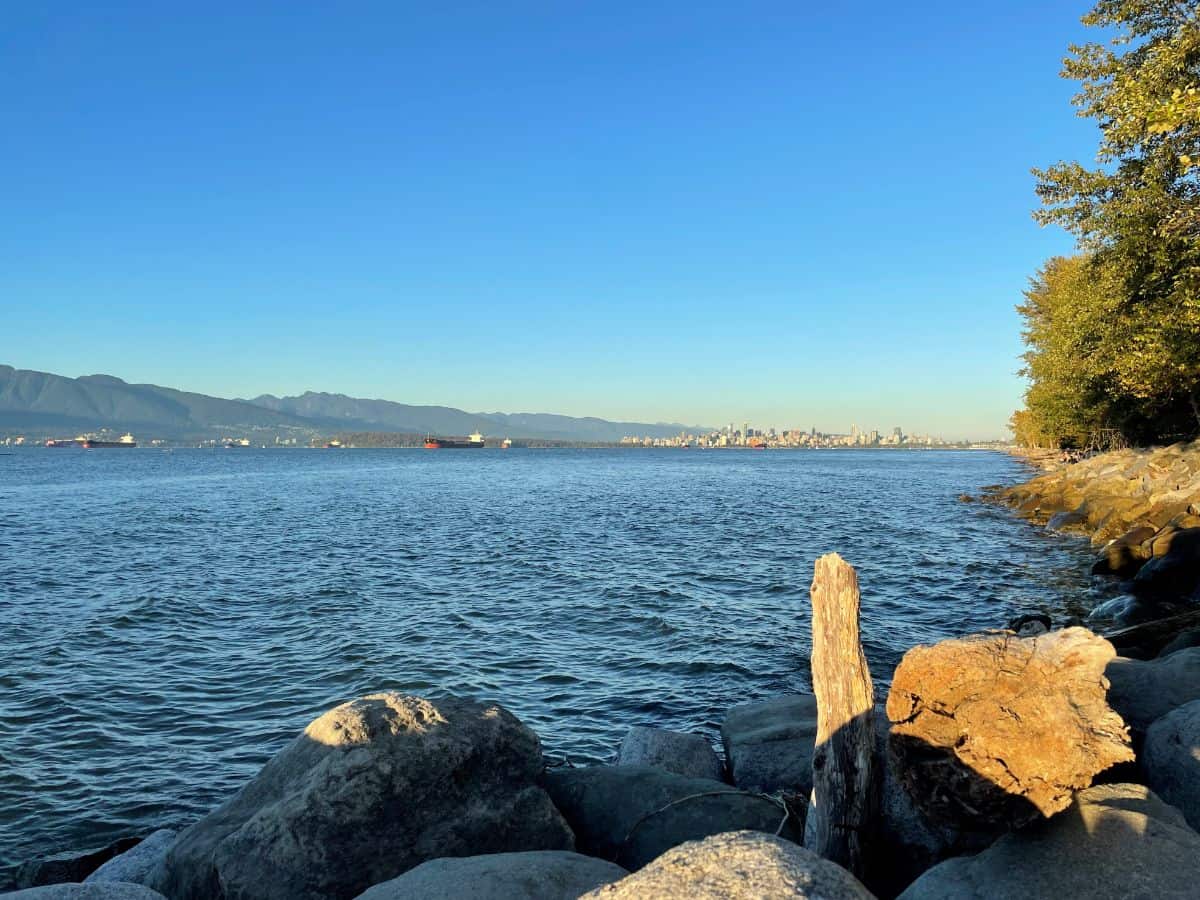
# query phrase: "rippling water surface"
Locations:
[[169, 619]]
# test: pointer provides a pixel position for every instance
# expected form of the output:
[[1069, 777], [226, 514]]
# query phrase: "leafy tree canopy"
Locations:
[[1114, 333]]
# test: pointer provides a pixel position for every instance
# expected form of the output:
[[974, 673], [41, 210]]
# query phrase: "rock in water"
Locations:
[[633, 814], [993, 731], [1118, 841], [690, 755], [71, 866], [769, 744], [537, 875], [136, 863], [1171, 760], [739, 865], [368, 791]]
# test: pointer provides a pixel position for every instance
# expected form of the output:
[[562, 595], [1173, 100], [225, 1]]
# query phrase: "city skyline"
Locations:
[[749, 436]]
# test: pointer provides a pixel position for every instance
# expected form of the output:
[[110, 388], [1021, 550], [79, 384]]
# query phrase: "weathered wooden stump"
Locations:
[[993, 731], [843, 762]]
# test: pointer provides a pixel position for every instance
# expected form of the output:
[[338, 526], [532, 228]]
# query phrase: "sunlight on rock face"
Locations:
[[999, 730], [361, 721]]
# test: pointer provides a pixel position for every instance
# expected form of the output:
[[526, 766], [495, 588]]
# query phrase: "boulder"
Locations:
[[1181, 641], [106, 891], [1143, 690], [1117, 841], [690, 755], [136, 863], [1030, 624], [908, 842], [632, 814], [1124, 555], [1062, 521], [1119, 513], [743, 865], [1170, 759], [769, 744], [993, 731], [535, 875], [69, 867], [371, 789], [1174, 570]]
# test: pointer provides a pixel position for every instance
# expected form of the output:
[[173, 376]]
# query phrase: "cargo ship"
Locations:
[[95, 444], [436, 443], [64, 442]]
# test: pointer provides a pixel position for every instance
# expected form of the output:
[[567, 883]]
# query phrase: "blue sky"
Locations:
[[784, 213]]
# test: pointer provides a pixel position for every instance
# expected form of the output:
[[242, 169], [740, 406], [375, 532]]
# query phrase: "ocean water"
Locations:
[[170, 619]]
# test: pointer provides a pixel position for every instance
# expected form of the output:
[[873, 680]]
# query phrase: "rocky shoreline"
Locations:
[[1027, 762], [1141, 511]]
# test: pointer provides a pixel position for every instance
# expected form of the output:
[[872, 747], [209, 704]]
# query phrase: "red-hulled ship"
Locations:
[[436, 443]]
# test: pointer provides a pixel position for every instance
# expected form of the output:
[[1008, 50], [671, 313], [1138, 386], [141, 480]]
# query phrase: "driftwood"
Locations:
[[843, 761], [1152, 636]]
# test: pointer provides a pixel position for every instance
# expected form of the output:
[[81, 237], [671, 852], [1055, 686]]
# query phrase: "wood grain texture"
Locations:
[[843, 762]]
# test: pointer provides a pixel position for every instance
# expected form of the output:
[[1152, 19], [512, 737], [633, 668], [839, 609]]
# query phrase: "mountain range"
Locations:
[[43, 404]]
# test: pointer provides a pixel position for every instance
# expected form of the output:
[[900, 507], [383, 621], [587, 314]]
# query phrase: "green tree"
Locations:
[[1136, 217]]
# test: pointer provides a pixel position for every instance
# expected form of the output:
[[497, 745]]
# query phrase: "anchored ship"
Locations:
[[436, 443], [94, 444]]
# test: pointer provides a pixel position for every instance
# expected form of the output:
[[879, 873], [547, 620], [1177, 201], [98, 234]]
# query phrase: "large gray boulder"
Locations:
[[769, 744], [1117, 841], [633, 814], [368, 791], [690, 755], [1143, 690], [136, 864], [107, 891], [743, 865], [1171, 759], [536, 875]]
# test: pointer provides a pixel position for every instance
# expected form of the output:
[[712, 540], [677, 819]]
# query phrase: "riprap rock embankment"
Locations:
[[1141, 509]]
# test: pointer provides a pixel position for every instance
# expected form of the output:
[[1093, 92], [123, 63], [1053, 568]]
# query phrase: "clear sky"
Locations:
[[788, 213]]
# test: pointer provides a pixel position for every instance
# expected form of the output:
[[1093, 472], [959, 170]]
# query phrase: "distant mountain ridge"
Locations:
[[43, 404], [387, 415]]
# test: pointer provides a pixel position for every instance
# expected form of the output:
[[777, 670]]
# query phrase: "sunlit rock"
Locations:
[[769, 744], [743, 865], [690, 755], [995, 731], [368, 791]]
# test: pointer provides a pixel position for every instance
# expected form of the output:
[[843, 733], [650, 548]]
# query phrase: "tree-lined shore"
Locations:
[[1113, 331]]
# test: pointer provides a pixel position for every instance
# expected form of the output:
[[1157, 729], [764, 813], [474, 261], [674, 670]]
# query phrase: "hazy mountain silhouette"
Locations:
[[42, 403], [385, 415]]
